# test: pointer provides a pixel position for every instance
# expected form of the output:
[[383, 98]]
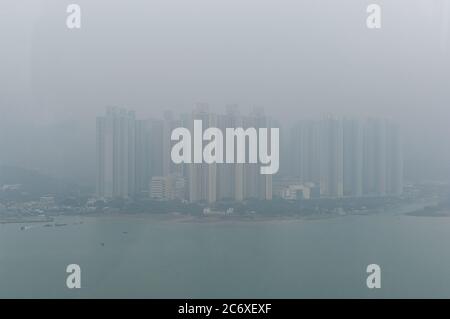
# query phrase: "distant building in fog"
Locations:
[[394, 167], [353, 157], [330, 157], [129, 153], [202, 177], [230, 176], [331, 142], [116, 153], [347, 157], [167, 187], [295, 192], [303, 151], [383, 162], [256, 185]]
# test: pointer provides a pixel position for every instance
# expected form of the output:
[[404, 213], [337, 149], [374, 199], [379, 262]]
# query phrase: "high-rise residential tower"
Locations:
[[255, 184], [331, 157], [394, 167], [375, 157], [230, 180], [353, 157], [116, 153], [304, 151], [202, 177]]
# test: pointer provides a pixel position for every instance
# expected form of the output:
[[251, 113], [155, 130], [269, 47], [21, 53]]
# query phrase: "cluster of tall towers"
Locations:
[[343, 157], [347, 157], [211, 182], [131, 153]]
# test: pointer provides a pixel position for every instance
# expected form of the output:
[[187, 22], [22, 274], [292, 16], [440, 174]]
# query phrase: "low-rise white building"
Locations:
[[167, 187], [298, 191]]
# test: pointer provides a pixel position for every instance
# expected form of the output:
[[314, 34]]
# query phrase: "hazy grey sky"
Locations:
[[297, 58]]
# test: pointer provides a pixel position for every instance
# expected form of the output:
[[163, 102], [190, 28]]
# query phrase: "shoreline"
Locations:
[[178, 218], [27, 221], [210, 219]]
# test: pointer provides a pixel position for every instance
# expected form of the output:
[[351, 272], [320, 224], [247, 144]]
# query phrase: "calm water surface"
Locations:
[[143, 258]]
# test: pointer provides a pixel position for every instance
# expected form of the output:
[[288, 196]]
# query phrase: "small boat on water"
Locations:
[[59, 225], [25, 227]]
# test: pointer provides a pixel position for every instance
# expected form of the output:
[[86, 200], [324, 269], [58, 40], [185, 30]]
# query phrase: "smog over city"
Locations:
[[264, 138]]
